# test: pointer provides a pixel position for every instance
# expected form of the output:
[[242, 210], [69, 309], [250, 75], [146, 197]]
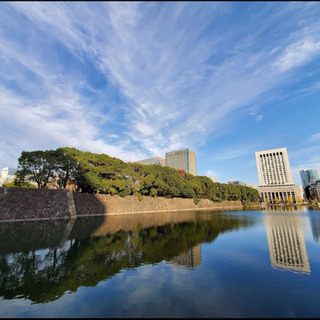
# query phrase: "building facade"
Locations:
[[314, 189], [7, 175], [307, 178], [275, 179], [155, 160], [182, 159]]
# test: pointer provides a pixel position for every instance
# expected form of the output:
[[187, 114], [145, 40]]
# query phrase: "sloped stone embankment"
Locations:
[[39, 204]]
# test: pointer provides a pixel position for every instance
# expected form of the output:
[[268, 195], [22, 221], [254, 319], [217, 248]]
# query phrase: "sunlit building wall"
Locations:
[[274, 173], [308, 175], [273, 167], [7, 175], [155, 160], [182, 159]]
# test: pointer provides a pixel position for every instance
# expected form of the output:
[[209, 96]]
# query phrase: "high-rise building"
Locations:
[[155, 160], [182, 159], [275, 179], [308, 175], [273, 167]]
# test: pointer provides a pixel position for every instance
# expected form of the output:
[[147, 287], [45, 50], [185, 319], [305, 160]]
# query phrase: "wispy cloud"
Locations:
[[231, 154], [138, 79], [314, 137], [298, 53], [211, 173]]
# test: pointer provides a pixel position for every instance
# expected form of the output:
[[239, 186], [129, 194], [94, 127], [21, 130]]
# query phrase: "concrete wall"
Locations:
[[41, 204]]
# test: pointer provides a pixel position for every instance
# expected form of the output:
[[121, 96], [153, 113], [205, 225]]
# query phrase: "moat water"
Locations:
[[178, 264]]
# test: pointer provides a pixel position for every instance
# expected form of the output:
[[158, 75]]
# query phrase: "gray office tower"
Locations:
[[307, 176], [182, 159]]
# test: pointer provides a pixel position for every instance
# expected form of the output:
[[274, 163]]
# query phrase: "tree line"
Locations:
[[100, 173]]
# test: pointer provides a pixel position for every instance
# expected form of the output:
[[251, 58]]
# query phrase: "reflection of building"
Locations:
[[189, 258], [182, 159], [275, 180], [286, 242], [7, 175], [315, 227], [155, 160]]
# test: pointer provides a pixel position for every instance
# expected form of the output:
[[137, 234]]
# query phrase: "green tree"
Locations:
[[37, 166], [66, 165]]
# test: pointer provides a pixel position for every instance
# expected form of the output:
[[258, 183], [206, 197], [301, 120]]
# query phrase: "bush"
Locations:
[[153, 192], [139, 196]]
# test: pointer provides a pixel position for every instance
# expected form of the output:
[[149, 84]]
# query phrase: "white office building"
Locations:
[[7, 175], [274, 173]]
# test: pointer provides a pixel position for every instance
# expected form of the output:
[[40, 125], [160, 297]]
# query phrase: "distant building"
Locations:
[[275, 179], [7, 175], [155, 160], [308, 177], [182, 159], [314, 189], [239, 183], [214, 179]]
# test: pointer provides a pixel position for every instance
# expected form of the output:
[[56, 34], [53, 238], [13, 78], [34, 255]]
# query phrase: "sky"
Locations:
[[135, 80]]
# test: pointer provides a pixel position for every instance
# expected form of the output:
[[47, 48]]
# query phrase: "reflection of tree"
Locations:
[[45, 275]]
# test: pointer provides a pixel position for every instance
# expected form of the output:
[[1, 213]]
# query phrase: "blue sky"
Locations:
[[138, 79]]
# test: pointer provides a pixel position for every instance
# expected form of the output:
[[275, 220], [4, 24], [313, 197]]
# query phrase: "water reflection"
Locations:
[[286, 242], [189, 258], [41, 261], [315, 228]]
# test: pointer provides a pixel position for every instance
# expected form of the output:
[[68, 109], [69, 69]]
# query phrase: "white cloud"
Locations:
[[314, 137], [231, 154], [298, 53], [179, 82]]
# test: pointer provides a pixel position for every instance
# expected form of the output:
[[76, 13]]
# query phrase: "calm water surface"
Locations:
[[177, 264]]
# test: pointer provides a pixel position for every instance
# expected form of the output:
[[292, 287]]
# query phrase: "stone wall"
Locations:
[[34, 204]]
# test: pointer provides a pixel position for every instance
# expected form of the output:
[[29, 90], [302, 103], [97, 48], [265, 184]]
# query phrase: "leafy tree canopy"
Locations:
[[100, 173]]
